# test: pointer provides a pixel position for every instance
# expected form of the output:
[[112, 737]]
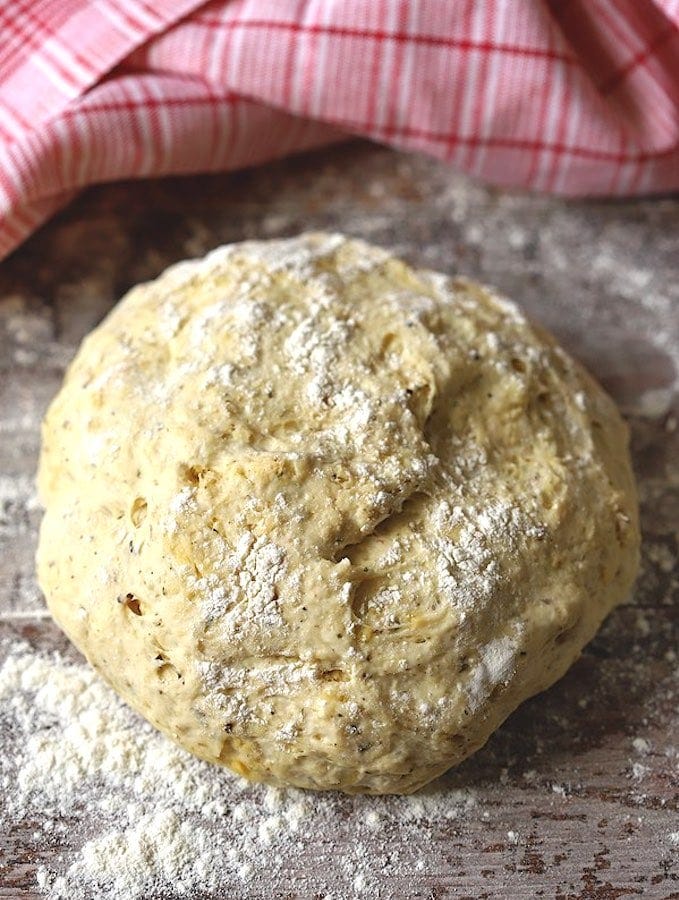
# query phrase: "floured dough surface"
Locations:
[[327, 519]]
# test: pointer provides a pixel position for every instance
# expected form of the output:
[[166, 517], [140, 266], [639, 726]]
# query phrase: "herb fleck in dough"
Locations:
[[326, 519]]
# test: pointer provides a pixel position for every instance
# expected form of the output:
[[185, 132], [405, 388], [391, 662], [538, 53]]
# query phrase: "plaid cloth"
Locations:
[[574, 97]]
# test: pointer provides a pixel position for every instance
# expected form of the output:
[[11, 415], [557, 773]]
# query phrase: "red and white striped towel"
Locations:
[[568, 96]]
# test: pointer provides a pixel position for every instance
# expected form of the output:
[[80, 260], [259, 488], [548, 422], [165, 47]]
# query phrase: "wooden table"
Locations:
[[588, 816]]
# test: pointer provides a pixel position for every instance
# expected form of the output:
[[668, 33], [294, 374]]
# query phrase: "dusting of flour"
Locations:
[[169, 825]]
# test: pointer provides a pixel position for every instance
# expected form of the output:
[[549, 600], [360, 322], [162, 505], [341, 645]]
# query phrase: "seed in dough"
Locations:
[[327, 519]]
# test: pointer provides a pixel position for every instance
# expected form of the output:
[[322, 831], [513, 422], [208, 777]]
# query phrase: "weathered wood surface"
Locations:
[[589, 816]]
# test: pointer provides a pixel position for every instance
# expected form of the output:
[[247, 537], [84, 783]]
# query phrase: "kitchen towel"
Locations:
[[574, 97]]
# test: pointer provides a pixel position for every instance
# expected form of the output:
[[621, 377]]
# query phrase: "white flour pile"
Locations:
[[163, 824]]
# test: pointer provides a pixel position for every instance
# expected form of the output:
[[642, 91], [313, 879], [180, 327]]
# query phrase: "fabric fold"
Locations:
[[53, 52], [574, 99]]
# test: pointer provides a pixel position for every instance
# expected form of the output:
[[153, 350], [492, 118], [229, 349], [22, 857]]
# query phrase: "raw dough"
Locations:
[[327, 519]]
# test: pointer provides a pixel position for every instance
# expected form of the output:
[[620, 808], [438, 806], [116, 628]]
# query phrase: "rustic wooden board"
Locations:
[[560, 775]]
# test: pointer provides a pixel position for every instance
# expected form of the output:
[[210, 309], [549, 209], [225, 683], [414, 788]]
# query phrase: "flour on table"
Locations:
[[160, 822]]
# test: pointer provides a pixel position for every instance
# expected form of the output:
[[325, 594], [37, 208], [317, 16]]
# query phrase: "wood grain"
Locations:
[[559, 774]]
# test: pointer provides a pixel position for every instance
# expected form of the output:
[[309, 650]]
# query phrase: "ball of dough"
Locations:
[[327, 519]]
